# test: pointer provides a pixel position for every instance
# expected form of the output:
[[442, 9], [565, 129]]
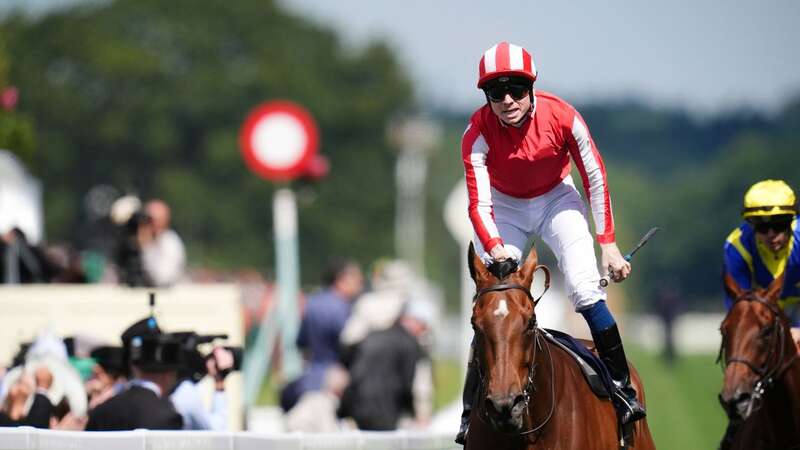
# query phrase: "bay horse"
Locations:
[[761, 390], [532, 394]]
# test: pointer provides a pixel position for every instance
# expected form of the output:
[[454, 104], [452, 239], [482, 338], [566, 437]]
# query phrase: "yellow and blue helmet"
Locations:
[[769, 198]]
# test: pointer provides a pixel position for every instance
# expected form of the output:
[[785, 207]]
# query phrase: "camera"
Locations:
[[178, 351], [128, 251], [194, 366]]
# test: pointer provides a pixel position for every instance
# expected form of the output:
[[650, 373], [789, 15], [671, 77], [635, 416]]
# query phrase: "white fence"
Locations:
[[26, 438]]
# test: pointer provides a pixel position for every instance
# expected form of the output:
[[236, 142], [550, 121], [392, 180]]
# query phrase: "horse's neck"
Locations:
[[791, 383], [781, 408]]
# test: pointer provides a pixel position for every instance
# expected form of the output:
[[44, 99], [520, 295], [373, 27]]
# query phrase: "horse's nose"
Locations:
[[735, 403], [500, 405]]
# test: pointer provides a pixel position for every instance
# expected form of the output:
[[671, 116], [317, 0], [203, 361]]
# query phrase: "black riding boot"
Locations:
[[609, 345], [470, 387]]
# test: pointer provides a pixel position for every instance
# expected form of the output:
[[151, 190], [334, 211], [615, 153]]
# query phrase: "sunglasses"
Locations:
[[777, 226], [497, 93]]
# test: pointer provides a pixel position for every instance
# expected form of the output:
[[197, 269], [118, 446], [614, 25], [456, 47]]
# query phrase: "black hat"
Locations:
[[111, 359], [144, 328]]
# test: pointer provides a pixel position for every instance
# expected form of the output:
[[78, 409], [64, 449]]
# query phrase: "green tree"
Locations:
[[149, 96], [16, 130]]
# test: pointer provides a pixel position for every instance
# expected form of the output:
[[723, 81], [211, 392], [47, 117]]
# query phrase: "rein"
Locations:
[[530, 384]]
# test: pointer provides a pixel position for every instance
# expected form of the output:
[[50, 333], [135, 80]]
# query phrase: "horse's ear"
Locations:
[[477, 270], [731, 287], [529, 266], [776, 287]]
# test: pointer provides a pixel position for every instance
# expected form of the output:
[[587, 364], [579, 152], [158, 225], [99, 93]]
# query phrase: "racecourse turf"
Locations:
[[682, 407]]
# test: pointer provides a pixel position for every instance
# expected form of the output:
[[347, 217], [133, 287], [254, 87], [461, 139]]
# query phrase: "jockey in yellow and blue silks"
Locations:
[[767, 244]]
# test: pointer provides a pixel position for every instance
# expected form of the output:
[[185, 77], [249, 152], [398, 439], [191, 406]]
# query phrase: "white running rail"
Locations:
[[27, 438]]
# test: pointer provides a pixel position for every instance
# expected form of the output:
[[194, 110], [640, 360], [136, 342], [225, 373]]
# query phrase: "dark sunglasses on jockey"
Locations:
[[497, 92], [764, 224]]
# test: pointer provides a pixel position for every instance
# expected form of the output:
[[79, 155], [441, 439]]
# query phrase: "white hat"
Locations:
[[422, 310], [124, 208], [395, 274]]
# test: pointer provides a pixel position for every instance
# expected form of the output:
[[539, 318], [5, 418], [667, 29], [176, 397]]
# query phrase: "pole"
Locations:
[[283, 320], [288, 276], [410, 173]]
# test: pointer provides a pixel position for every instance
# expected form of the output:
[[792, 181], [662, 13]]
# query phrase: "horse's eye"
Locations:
[[766, 331]]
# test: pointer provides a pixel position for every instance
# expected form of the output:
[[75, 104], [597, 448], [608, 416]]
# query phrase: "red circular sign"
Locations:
[[278, 140]]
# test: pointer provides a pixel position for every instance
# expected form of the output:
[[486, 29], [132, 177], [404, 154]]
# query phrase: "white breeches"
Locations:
[[559, 219]]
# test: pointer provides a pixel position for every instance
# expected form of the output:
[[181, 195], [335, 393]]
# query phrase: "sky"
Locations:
[[703, 55], [706, 56]]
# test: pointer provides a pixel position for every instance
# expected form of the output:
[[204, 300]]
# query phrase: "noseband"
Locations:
[[767, 375], [537, 344]]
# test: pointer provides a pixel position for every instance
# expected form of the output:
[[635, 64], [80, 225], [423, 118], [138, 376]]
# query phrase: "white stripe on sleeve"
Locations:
[[478, 160], [594, 174]]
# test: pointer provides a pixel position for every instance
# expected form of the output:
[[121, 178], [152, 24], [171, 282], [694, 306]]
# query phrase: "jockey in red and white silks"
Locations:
[[516, 152], [519, 183]]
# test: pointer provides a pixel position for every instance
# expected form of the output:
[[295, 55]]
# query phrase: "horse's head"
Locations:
[[504, 321], [754, 345]]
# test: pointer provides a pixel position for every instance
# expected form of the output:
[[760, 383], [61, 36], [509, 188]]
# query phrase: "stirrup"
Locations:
[[463, 430], [461, 437], [631, 410]]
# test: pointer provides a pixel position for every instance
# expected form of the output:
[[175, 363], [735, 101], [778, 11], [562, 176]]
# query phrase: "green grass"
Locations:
[[682, 407], [448, 381]]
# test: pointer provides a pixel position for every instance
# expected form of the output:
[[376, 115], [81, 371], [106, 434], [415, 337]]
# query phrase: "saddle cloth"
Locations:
[[593, 369]]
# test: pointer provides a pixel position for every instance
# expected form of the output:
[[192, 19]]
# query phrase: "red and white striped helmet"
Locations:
[[505, 59]]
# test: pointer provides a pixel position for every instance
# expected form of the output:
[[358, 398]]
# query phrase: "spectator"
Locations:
[[323, 320], [26, 402], [22, 262], [383, 372], [380, 308], [188, 401], [163, 253], [109, 375], [135, 230], [668, 307], [143, 403], [46, 359], [67, 264], [315, 412]]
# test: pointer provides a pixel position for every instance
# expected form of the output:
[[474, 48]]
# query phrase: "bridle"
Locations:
[[767, 373], [532, 328]]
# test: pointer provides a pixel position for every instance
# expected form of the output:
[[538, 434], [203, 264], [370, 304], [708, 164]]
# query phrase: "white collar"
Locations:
[[145, 384]]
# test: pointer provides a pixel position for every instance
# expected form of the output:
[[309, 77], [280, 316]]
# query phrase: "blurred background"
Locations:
[[690, 103]]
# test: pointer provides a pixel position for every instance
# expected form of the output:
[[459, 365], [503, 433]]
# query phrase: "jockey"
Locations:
[[767, 244], [516, 152]]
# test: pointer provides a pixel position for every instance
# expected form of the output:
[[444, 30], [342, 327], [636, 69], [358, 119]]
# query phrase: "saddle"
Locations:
[[595, 373]]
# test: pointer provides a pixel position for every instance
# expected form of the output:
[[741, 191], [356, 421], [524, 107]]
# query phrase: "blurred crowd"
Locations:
[[133, 244], [366, 347], [150, 380], [365, 340], [366, 352]]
